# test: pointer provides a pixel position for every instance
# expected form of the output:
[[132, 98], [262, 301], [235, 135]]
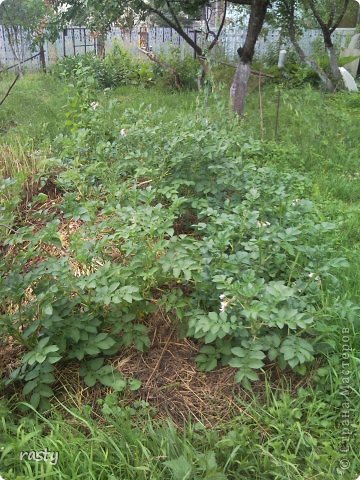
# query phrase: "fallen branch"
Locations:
[[254, 72], [9, 89], [20, 63], [162, 64], [261, 74]]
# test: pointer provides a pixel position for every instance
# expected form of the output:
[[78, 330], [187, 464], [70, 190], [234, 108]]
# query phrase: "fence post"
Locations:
[[64, 41], [42, 56]]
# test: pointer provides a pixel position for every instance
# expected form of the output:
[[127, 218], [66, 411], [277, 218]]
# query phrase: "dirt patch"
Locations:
[[10, 357], [171, 382], [35, 187], [174, 387], [184, 223]]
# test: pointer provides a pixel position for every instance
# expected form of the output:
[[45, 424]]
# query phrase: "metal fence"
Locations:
[[79, 40]]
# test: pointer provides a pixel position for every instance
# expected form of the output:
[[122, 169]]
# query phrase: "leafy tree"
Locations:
[[24, 18], [292, 15], [103, 14], [178, 16], [328, 14], [258, 11], [100, 15]]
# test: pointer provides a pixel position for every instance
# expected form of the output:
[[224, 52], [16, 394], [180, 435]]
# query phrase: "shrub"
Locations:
[[185, 65], [190, 221], [271, 57], [118, 68]]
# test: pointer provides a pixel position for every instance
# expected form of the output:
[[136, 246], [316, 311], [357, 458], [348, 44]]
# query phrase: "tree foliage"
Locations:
[[25, 18], [24, 13], [292, 16]]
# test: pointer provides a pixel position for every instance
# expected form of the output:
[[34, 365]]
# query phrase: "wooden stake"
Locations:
[[261, 111], [277, 114]]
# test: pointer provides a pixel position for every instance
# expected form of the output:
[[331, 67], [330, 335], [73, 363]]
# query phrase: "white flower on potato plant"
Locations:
[[295, 202], [94, 105], [123, 132], [314, 276], [263, 224], [224, 303]]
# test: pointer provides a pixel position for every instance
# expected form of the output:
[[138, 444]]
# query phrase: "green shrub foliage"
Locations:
[[185, 215], [186, 66], [117, 68]]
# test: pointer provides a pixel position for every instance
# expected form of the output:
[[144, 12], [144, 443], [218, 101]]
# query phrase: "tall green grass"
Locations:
[[322, 132], [286, 436]]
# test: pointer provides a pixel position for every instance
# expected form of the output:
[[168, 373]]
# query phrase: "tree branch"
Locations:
[[331, 18], [320, 21], [242, 2], [9, 89], [214, 42], [340, 17], [177, 28], [207, 23], [291, 30], [162, 64], [173, 14], [252, 71]]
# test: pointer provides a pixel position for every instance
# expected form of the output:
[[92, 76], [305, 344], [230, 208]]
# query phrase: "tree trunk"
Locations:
[[241, 78], [334, 67], [325, 80], [12, 36], [100, 45], [204, 73], [42, 57], [328, 28], [239, 86]]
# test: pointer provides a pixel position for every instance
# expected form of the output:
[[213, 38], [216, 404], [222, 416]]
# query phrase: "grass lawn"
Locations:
[[122, 184]]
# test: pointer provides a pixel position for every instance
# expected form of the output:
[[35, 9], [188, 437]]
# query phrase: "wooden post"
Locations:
[[73, 40], [42, 56], [64, 41]]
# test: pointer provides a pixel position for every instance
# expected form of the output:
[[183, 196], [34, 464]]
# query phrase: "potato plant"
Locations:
[[185, 215]]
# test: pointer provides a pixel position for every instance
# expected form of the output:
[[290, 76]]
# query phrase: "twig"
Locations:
[[10, 88], [143, 183], [217, 36], [8, 227]]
